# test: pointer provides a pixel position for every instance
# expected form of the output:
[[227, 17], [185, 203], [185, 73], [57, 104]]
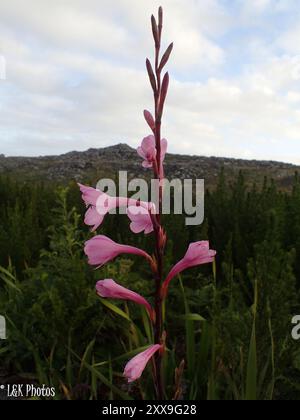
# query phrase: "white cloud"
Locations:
[[256, 6], [289, 41], [76, 78]]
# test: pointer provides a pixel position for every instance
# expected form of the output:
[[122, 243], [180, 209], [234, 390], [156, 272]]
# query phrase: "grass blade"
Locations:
[[115, 309]]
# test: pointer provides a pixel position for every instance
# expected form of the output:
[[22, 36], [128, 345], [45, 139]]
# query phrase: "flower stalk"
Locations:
[[147, 218], [159, 92]]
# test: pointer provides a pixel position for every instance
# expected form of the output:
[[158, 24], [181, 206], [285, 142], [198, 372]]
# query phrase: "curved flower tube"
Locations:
[[101, 249], [198, 253], [100, 204], [136, 366], [108, 288]]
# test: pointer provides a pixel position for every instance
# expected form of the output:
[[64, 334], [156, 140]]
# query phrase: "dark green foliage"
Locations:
[[59, 331]]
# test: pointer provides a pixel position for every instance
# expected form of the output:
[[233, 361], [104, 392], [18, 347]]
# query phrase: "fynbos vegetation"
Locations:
[[227, 331]]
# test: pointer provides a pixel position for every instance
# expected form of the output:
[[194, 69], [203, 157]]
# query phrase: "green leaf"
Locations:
[[110, 372], [127, 355], [69, 372], [93, 382], [251, 380], [3, 350], [103, 379], [7, 273], [87, 354], [9, 279], [115, 309], [190, 336], [147, 325], [193, 317]]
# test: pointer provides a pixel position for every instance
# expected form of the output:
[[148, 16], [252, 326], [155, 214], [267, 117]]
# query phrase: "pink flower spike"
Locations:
[[136, 366], [110, 289], [140, 220], [101, 249], [198, 253]]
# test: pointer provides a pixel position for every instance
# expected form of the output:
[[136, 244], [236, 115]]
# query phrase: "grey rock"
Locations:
[[106, 162]]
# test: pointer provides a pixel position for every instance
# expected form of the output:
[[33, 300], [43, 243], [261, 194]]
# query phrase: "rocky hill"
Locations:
[[106, 162]]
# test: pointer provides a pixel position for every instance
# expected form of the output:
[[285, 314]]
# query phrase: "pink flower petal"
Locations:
[[148, 152], [136, 366], [140, 220], [110, 289], [163, 150], [93, 218], [89, 195]]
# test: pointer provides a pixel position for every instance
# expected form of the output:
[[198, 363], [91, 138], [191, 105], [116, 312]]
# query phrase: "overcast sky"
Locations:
[[75, 76]]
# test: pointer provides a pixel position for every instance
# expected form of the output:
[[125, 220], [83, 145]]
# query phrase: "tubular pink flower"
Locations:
[[148, 152], [110, 289], [100, 204], [95, 213], [136, 366], [101, 249], [198, 253], [89, 195], [140, 219]]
